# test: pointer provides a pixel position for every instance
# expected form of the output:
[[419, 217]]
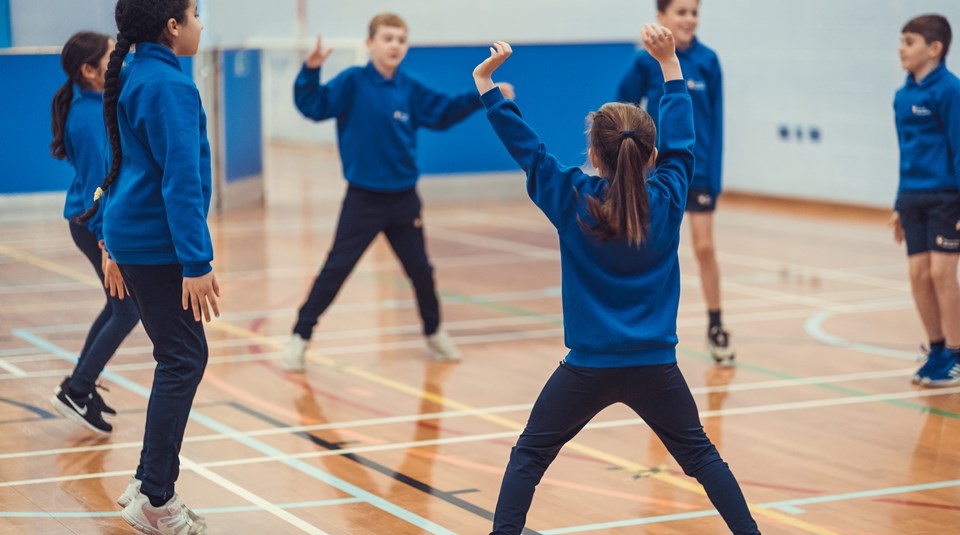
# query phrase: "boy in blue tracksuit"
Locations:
[[619, 234], [80, 138], [927, 210], [378, 109], [701, 68]]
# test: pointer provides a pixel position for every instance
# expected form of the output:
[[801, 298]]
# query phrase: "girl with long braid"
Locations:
[[79, 138], [156, 198]]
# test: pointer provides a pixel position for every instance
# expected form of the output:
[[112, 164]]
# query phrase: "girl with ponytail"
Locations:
[[80, 139], [155, 199], [619, 234]]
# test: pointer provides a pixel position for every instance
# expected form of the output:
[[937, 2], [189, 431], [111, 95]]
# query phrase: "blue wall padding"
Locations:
[[243, 119], [557, 85], [30, 81]]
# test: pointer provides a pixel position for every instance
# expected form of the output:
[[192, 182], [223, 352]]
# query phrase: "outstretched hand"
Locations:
[[483, 73], [660, 44], [318, 55]]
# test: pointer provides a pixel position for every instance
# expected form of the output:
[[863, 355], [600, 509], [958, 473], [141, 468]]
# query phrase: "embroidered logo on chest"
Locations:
[[696, 85], [920, 111], [401, 116]]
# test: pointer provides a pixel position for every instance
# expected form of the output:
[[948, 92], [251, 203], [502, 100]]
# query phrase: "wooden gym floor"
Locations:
[[819, 421]]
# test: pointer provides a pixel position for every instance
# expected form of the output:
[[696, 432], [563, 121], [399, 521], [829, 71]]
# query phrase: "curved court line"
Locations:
[[296, 464], [814, 328]]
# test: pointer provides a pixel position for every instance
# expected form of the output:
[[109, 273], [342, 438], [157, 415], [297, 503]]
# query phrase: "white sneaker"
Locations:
[[169, 519], [441, 347], [133, 490], [294, 354]]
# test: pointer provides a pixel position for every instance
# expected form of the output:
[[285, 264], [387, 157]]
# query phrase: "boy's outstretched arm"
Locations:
[[660, 44]]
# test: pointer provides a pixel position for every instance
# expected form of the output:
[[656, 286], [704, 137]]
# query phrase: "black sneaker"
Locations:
[[718, 342], [83, 411], [97, 398]]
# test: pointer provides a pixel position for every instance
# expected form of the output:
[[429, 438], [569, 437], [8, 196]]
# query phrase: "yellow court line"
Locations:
[[610, 458]]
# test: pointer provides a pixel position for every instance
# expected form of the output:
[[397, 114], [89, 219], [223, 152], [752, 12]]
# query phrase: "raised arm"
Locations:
[[437, 110], [676, 135], [315, 100], [552, 186], [716, 150]]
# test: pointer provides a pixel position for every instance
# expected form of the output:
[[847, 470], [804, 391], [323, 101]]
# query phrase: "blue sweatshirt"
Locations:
[[619, 301], [701, 69], [377, 120], [156, 211], [928, 130], [85, 139]]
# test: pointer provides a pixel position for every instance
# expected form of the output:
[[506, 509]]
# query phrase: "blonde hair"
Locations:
[[386, 19]]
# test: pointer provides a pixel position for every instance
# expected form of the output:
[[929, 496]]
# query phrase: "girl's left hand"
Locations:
[[499, 53]]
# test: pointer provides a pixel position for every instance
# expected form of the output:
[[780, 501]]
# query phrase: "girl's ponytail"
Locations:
[[622, 138]]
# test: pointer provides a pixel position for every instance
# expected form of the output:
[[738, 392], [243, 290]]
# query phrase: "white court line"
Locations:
[[371, 422], [211, 361], [11, 369], [627, 422]]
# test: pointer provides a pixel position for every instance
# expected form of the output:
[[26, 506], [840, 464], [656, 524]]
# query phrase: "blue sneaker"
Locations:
[[947, 372], [932, 360]]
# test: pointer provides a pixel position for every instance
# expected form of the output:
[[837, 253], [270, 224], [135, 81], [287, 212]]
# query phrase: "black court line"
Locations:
[[449, 497]]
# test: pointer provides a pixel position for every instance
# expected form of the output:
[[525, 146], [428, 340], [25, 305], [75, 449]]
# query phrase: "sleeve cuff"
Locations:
[[675, 86], [310, 70], [491, 98], [197, 270]]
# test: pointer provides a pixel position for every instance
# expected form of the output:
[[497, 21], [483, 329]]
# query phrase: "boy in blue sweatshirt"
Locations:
[[927, 210], [619, 234], [644, 83], [378, 109]]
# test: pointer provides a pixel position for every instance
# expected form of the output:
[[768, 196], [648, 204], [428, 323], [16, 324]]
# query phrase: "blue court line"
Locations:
[[316, 473], [787, 506], [44, 415], [210, 511]]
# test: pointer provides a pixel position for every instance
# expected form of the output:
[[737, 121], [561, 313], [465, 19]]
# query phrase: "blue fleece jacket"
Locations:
[[619, 301], [156, 211], [701, 69], [928, 130], [377, 120], [85, 138]]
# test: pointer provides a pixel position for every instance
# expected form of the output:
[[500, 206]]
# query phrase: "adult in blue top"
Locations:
[[378, 109], [619, 235], [701, 68], [157, 195], [927, 209], [80, 138]]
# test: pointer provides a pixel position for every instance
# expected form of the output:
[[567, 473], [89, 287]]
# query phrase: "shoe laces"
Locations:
[[718, 335]]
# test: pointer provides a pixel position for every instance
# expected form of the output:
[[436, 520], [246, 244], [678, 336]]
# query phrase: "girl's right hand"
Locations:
[[317, 56], [897, 228], [201, 293], [483, 73]]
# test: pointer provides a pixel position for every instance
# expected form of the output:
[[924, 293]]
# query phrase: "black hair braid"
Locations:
[[138, 21]]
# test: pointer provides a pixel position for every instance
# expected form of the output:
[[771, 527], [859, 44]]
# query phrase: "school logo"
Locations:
[[696, 85], [945, 243], [704, 200], [920, 111], [401, 116]]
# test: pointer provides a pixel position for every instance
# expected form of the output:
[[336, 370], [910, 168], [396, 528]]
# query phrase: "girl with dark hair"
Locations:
[[619, 235], [79, 138], [156, 198]]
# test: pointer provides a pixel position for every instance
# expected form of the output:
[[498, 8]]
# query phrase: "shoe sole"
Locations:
[[442, 357], [124, 501], [138, 526], [69, 414]]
